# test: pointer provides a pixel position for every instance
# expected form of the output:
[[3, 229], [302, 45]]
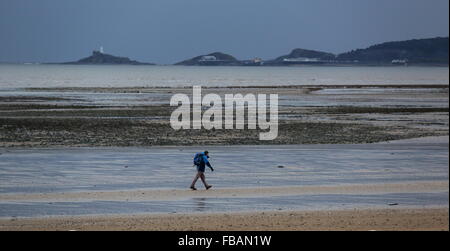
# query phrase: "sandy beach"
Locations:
[[238, 192], [354, 220], [347, 157], [396, 185], [378, 218]]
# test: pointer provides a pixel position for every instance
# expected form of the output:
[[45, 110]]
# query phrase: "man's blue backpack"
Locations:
[[198, 159]]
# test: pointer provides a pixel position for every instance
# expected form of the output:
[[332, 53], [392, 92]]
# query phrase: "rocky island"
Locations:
[[99, 57]]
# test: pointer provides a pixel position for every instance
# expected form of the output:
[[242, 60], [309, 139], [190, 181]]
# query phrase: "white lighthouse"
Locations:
[[101, 49]]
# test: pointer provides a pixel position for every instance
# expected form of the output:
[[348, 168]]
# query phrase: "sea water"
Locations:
[[48, 76]]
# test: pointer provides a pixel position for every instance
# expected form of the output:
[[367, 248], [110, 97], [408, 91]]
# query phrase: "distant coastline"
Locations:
[[420, 52], [415, 52]]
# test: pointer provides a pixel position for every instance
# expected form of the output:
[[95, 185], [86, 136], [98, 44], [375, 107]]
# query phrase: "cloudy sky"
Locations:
[[168, 31]]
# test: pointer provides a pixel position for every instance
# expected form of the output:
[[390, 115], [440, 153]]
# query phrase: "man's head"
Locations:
[[207, 153]]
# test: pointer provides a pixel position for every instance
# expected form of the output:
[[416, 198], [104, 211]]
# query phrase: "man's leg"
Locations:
[[202, 177], [195, 180]]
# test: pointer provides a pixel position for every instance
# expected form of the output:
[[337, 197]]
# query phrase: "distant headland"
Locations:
[[431, 51]]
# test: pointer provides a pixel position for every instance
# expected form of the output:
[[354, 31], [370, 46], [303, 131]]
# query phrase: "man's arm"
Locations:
[[207, 162]]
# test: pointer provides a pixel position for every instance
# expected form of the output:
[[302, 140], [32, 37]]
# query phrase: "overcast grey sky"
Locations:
[[168, 31]]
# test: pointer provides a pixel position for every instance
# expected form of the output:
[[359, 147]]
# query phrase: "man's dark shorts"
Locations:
[[201, 168]]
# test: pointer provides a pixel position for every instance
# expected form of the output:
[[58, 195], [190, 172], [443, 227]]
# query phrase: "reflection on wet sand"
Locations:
[[200, 204]]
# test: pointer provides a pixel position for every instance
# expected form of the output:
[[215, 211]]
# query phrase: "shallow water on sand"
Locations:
[[212, 205], [14, 79], [159, 168], [83, 169]]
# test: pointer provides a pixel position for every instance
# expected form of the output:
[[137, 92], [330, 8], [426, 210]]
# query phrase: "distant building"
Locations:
[[208, 58], [253, 62], [257, 60], [399, 62], [302, 60]]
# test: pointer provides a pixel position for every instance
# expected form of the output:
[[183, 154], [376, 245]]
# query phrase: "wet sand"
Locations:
[[356, 220], [58, 182], [139, 116], [37, 181], [242, 192]]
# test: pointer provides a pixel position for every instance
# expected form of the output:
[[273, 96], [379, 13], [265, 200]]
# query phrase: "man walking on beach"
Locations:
[[201, 160]]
